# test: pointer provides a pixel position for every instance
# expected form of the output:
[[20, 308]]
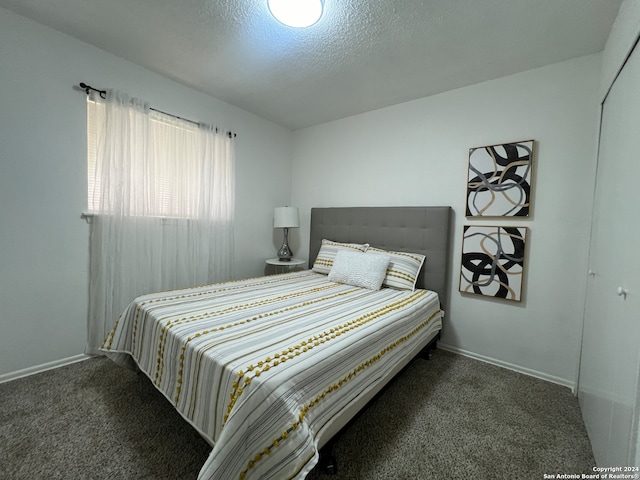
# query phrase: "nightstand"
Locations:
[[275, 265]]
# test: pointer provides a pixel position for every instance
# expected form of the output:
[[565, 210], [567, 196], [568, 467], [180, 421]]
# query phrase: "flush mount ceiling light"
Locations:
[[296, 13]]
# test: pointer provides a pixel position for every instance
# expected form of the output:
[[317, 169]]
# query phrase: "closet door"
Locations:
[[610, 362]]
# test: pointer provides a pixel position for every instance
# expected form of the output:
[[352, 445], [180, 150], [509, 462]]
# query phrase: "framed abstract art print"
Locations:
[[499, 180], [492, 261]]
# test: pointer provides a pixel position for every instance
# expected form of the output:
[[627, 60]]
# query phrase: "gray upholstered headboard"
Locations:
[[425, 230]]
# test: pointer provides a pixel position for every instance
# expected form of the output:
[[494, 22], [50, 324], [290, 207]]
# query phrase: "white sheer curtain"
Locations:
[[162, 196]]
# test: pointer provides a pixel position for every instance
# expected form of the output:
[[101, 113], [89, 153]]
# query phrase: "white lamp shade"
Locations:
[[286, 217], [296, 13]]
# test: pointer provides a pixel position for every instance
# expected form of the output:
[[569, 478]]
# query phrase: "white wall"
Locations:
[[416, 154], [620, 42], [43, 240]]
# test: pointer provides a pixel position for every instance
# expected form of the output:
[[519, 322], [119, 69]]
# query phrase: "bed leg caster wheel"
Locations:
[[331, 468], [328, 464]]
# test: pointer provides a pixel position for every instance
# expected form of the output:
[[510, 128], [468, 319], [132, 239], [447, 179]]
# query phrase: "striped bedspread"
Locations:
[[260, 366]]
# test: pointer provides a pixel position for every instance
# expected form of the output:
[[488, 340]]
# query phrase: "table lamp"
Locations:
[[286, 218]]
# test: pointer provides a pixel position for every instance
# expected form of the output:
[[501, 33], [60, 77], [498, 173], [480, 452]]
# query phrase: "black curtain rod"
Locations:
[[103, 94]]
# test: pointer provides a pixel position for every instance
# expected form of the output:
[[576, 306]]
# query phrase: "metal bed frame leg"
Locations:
[[432, 345]]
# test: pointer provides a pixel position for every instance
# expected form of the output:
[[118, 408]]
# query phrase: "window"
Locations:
[[168, 166], [144, 167], [95, 114]]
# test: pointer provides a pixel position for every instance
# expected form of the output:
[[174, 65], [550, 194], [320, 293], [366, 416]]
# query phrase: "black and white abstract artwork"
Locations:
[[499, 180], [493, 261]]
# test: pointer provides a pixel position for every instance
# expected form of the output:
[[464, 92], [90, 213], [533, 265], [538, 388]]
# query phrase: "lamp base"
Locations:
[[285, 254]]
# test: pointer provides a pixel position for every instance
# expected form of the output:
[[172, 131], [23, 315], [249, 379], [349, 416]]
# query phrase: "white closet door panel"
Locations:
[[597, 371], [608, 382]]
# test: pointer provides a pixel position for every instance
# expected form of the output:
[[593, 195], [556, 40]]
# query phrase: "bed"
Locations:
[[269, 369]]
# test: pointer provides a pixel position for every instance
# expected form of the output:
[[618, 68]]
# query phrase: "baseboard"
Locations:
[[510, 366], [7, 377]]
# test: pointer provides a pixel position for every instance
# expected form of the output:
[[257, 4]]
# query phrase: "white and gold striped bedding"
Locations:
[[259, 366]]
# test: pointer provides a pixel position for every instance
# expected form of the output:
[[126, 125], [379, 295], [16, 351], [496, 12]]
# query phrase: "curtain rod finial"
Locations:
[[88, 88]]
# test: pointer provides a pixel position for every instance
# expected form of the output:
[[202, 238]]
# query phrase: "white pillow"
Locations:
[[359, 269]]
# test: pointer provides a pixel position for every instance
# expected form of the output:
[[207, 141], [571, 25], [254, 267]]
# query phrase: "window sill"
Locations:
[[89, 216]]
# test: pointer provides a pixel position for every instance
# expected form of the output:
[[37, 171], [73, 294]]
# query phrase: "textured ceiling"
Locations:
[[361, 55]]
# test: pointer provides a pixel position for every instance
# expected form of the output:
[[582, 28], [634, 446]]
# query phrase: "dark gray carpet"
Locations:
[[450, 417]]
